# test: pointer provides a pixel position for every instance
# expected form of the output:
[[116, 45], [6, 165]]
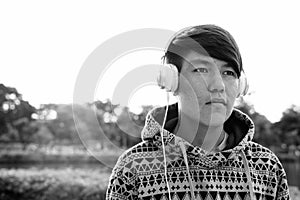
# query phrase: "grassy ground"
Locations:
[[61, 183], [295, 193], [53, 184]]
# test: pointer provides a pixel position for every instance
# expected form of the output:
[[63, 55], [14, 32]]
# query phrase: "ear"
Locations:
[[175, 93], [243, 85], [240, 85], [239, 93]]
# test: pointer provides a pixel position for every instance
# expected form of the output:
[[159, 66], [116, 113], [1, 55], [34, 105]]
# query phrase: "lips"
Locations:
[[221, 101]]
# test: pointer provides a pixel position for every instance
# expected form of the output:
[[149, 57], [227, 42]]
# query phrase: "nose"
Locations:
[[216, 83]]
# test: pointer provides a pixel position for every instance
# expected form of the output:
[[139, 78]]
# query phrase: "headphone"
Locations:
[[168, 79]]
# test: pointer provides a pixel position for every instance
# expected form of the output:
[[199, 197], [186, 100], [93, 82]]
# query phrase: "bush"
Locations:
[[294, 192], [53, 184]]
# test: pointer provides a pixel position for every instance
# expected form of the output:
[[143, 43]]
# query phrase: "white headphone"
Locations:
[[168, 79]]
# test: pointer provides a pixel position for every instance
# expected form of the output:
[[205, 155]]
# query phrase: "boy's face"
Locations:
[[209, 86]]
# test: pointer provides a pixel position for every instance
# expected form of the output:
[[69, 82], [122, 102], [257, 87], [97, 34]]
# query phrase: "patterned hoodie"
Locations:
[[242, 170]]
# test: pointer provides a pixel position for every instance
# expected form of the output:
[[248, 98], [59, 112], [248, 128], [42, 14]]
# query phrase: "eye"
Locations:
[[201, 70], [230, 73]]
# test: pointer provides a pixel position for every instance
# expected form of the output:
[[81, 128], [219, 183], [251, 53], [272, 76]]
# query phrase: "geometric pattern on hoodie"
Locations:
[[139, 172]]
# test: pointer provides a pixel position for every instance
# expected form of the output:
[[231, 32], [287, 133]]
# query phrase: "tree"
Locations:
[[263, 133], [43, 135], [288, 127], [120, 126], [16, 114], [62, 126]]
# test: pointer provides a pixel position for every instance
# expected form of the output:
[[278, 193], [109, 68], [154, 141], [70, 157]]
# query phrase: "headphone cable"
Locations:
[[163, 145]]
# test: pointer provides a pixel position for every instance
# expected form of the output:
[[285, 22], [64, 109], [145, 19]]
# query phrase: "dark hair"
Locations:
[[209, 39]]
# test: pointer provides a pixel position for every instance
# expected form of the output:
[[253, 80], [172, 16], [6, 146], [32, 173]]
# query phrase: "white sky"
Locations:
[[43, 44]]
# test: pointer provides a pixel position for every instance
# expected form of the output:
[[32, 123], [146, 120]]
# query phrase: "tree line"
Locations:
[[52, 124]]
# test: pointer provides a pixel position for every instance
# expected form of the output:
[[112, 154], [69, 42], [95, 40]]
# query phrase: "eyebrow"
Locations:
[[227, 66], [194, 63], [208, 63], [204, 62]]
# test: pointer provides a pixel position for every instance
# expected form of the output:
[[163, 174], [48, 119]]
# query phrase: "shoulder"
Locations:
[[264, 161], [264, 156], [135, 155], [261, 150], [123, 179]]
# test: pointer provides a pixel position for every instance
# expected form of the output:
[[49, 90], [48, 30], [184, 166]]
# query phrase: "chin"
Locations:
[[216, 119]]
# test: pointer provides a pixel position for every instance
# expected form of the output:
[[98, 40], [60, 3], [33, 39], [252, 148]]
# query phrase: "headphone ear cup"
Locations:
[[243, 85], [168, 77]]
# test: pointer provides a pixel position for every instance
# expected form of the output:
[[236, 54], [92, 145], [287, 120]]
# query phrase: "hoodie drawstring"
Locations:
[[163, 146], [182, 147], [249, 182]]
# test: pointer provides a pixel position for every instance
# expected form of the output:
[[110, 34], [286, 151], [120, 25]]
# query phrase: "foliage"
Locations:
[[97, 121], [110, 125], [294, 193], [16, 120], [263, 133], [288, 128], [282, 134], [53, 184]]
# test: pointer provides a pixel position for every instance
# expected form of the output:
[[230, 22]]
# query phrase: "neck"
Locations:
[[199, 134]]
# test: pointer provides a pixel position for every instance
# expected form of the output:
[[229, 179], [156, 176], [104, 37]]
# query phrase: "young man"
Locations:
[[207, 152]]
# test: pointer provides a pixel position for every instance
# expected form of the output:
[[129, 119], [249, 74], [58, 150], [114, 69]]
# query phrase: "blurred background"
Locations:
[[44, 154]]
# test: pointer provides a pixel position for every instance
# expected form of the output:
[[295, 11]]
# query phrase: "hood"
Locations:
[[239, 127]]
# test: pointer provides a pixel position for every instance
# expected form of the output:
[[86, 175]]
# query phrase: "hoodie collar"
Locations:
[[239, 127]]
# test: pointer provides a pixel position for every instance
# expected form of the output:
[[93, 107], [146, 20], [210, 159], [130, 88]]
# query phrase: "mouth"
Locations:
[[216, 101]]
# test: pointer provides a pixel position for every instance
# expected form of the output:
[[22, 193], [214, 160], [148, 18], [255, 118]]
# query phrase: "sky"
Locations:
[[44, 45]]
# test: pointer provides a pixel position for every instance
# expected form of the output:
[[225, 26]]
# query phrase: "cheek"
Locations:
[[195, 85], [192, 90], [232, 90], [185, 86], [231, 93]]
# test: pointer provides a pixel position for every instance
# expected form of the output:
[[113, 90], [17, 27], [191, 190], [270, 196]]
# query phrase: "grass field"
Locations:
[[53, 184], [54, 173]]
